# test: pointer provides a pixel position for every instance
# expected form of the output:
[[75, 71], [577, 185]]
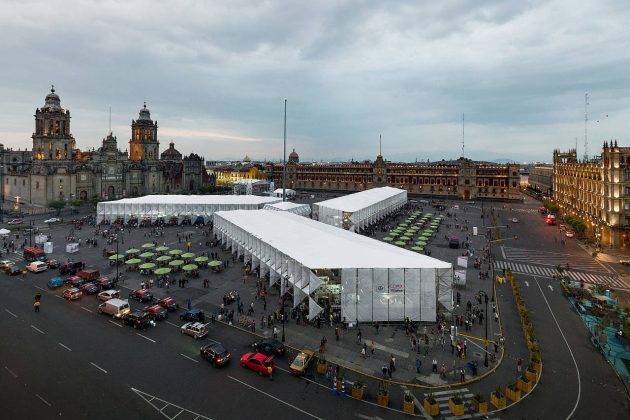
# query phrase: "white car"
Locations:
[[53, 220], [196, 329], [570, 234], [4, 264], [106, 295]]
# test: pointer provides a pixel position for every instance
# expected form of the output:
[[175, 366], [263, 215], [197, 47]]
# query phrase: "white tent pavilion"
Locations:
[[356, 211], [295, 208], [288, 191], [370, 280], [180, 206]]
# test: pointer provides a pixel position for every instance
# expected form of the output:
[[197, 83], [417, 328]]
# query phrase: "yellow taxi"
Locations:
[[301, 362]]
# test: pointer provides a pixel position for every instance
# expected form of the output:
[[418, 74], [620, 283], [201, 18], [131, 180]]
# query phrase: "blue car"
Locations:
[[193, 315], [55, 282]]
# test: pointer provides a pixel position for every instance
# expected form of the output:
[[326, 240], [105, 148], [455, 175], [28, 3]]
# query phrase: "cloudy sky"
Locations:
[[215, 74]]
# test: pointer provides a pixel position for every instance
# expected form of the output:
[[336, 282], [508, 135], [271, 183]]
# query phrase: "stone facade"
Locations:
[[541, 179], [56, 170]]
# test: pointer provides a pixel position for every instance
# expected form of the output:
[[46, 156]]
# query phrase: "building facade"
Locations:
[[228, 174], [462, 178], [541, 179], [56, 169], [596, 191]]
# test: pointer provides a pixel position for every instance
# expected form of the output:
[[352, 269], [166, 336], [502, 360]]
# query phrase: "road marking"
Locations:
[[145, 337], [98, 367], [37, 329], [577, 369], [275, 398], [151, 398], [57, 296], [86, 309], [43, 400], [11, 313], [37, 287], [115, 323], [503, 252], [21, 279], [550, 287], [170, 323], [11, 372], [526, 283], [65, 347], [189, 358]]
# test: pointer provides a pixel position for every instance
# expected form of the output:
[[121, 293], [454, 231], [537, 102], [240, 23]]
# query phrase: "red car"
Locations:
[[157, 312], [141, 295], [52, 263], [168, 303], [105, 283], [75, 281], [258, 362]]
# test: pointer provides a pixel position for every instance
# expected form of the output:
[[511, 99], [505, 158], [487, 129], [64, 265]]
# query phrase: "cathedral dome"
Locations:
[[145, 114], [294, 157], [52, 100]]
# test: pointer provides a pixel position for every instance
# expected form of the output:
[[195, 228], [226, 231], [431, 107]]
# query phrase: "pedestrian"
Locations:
[[462, 375], [359, 337], [443, 371], [372, 346], [36, 305], [275, 332], [363, 352], [434, 368], [337, 333], [392, 363], [418, 364], [270, 372], [385, 371], [519, 365], [376, 326]]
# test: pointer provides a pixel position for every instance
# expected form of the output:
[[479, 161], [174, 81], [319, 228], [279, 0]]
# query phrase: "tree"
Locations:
[[57, 205]]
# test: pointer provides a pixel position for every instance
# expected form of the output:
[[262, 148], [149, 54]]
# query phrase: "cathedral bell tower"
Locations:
[[52, 139], [144, 144]]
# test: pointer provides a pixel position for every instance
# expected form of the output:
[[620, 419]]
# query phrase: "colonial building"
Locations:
[[461, 178], [596, 191], [57, 170], [228, 175], [541, 179]]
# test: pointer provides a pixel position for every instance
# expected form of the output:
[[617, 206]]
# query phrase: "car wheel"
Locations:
[[243, 364]]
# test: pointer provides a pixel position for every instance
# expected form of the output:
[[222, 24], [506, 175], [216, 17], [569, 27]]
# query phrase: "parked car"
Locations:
[[52, 220], [31, 229], [301, 362], [156, 312], [13, 270], [114, 307], [72, 294], [105, 283], [4, 264], [168, 303], [196, 329], [90, 288], [216, 354], [37, 267], [141, 295], [16, 221], [570, 234], [75, 281], [55, 282], [52, 263], [258, 362], [71, 268], [269, 346], [89, 275], [106, 295], [137, 319], [193, 315], [624, 262]]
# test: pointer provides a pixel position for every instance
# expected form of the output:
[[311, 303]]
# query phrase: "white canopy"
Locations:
[[288, 191], [295, 208], [378, 281], [4, 231], [166, 206], [357, 211]]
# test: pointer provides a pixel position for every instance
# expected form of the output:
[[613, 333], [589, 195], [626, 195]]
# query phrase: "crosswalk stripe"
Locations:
[[450, 391]]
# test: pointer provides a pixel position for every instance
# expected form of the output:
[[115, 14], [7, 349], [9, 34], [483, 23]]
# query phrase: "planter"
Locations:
[[532, 344], [531, 374], [339, 384], [321, 368], [479, 407], [358, 392], [524, 384], [456, 409], [497, 400], [432, 409], [513, 394], [537, 366], [382, 400], [409, 407]]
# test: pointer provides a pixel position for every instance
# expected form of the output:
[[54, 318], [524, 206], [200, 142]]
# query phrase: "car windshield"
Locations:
[[298, 362]]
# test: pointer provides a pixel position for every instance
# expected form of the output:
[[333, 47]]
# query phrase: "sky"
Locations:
[[215, 75]]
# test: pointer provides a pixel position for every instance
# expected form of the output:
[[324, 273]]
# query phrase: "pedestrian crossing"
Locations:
[[442, 398], [550, 258], [579, 276], [13, 257]]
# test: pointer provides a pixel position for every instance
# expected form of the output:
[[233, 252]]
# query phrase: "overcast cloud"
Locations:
[[214, 75]]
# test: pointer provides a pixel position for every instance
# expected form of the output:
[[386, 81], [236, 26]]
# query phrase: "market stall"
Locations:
[[295, 208]]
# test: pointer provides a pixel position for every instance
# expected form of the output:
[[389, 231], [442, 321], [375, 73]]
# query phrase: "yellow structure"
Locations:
[[228, 175]]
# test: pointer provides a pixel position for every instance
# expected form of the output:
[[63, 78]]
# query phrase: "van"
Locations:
[[89, 275], [115, 307], [37, 267]]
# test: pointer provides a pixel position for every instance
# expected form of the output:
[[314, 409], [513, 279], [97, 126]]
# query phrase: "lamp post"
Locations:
[[485, 296], [284, 165], [282, 315], [1, 194]]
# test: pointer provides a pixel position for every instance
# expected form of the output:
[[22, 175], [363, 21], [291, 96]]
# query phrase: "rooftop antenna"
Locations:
[[110, 120], [463, 134], [380, 145], [586, 104]]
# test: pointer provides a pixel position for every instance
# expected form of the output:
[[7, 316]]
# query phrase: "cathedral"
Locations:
[[55, 169]]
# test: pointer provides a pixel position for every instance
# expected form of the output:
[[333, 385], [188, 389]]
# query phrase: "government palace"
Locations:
[[55, 169]]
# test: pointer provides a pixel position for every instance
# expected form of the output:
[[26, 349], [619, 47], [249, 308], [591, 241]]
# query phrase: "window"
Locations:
[[23, 182], [37, 185]]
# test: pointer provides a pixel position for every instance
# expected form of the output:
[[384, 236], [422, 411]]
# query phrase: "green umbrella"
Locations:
[[190, 267], [403, 225], [388, 239], [162, 271], [148, 245], [146, 266], [175, 263], [215, 263], [132, 251], [175, 251], [410, 233], [404, 238], [421, 243], [417, 248], [188, 255], [400, 243], [162, 248], [133, 261], [393, 233], [146, 255], [117, 257], [163, 258], [201, 259]]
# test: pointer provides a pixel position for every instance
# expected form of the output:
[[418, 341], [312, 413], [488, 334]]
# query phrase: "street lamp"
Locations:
[[485, 296], [284, 161]]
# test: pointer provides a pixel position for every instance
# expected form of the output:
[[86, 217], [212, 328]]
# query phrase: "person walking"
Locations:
[[372, 347], [435, 366], [362, 352], [462, 375], [359, 337], [270, 372], [37, 303], [418, 364], [392, 363], [519, 365], [337, 333]]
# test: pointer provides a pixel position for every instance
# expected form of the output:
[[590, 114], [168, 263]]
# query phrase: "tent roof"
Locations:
[[196, 199], [287, 205], [318, 245], [357, 201], [279, 190]]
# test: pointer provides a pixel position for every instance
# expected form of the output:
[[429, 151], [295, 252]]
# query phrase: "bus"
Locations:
[[34, 254]]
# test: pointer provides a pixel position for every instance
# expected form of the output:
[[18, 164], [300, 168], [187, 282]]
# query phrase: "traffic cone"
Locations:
[[334, 390], [343, 389]]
